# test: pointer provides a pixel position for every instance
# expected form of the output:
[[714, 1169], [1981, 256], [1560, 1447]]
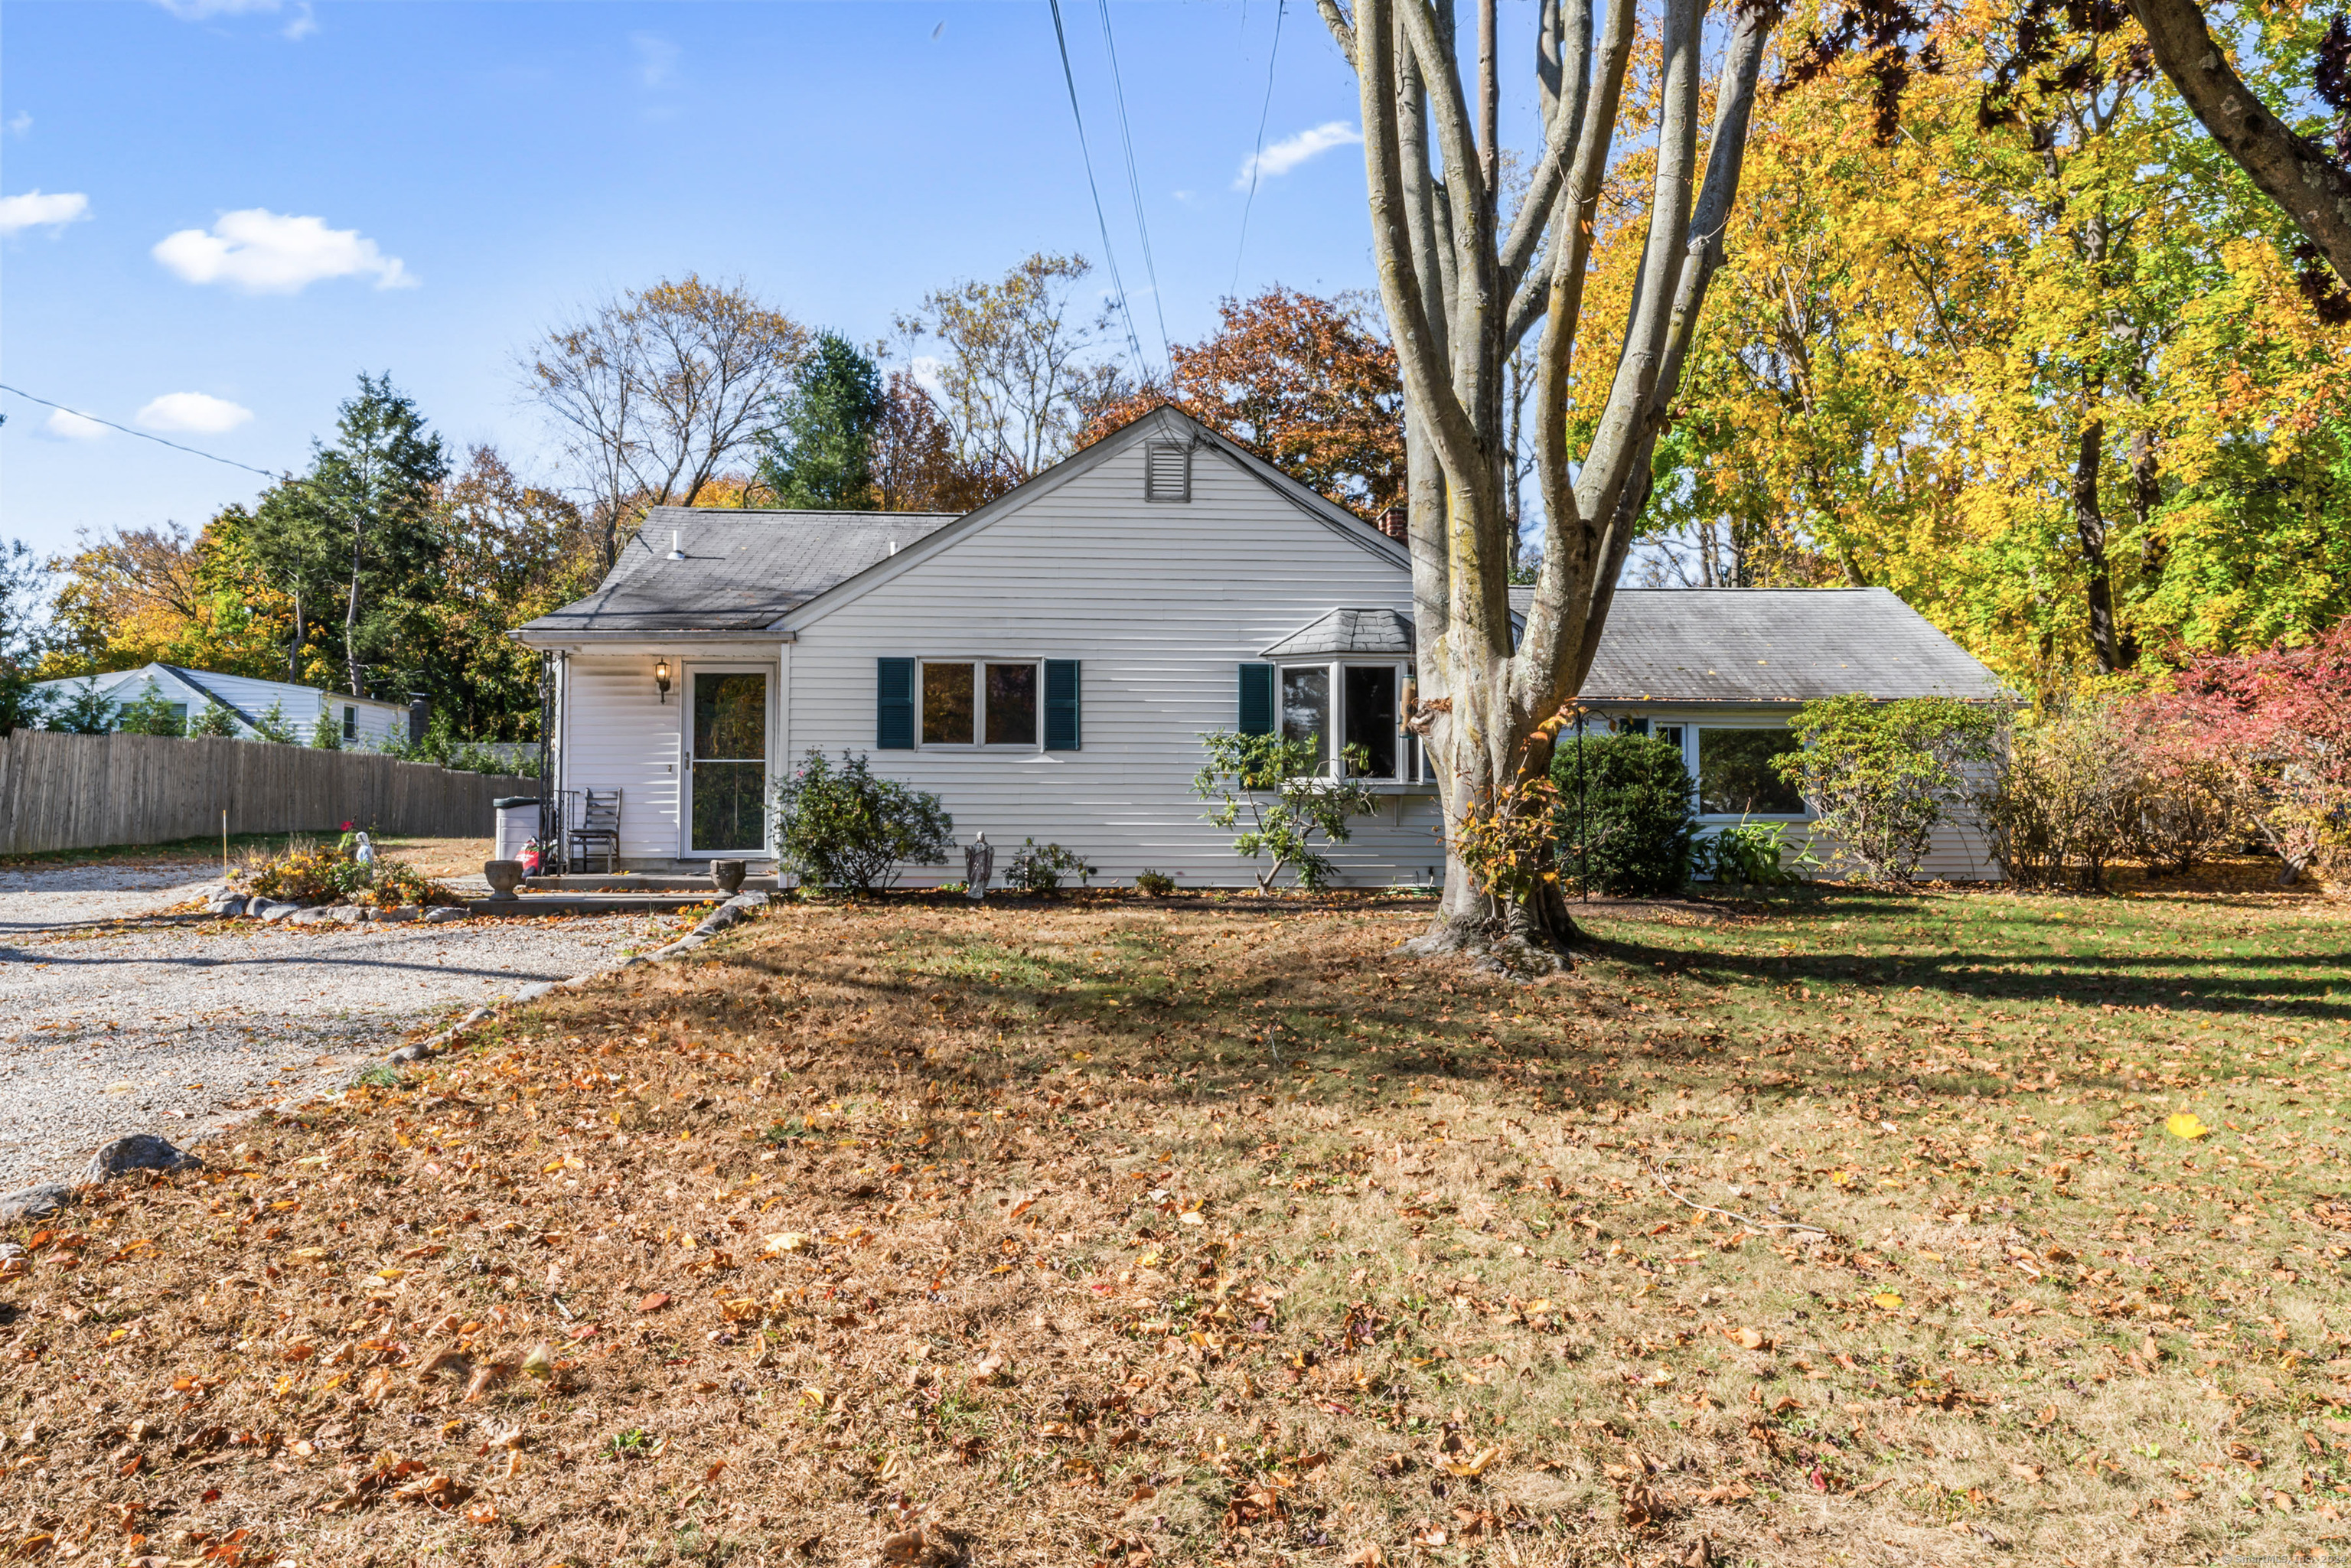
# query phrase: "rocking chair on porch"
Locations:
[[600, 826]]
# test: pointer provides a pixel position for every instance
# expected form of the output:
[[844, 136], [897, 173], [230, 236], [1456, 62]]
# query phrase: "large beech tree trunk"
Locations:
[[2292, 171], [1461, 295]]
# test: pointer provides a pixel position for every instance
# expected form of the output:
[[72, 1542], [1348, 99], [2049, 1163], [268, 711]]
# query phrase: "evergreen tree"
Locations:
[[86, 712], [271, 724], [821, 453], [21, 637], [213, 719], [151, 715]]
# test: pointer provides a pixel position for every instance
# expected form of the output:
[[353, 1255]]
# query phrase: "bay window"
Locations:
[[1335, 707]]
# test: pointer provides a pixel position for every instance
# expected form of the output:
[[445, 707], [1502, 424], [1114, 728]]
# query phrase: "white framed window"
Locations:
[[1335, 705], [981, 703], [1732, 768]]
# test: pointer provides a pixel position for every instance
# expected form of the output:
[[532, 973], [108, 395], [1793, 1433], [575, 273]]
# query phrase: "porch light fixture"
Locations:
[[661, 677]]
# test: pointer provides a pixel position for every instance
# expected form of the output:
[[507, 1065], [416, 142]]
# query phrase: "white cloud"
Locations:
[[71, 427], [263, 252], [33, 210], [303, 24], [204, 10], [21, 123], [196, 411], [1291, 150], [656, 60]]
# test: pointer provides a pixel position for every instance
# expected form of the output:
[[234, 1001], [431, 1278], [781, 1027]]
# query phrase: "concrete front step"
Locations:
[[526, 905], [641, 881]]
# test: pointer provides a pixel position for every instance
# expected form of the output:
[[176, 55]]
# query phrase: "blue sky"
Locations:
[[221, 211]]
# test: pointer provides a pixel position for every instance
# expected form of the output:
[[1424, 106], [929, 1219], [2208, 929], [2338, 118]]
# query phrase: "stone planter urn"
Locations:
[[728, 876], [504, 877]]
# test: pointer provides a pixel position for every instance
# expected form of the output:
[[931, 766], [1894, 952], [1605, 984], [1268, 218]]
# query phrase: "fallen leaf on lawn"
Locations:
[[1887, 1301], [540, 1362], [2023, 1471], [2185, 1124], [1473, 1465], [988, 1368], [1752, 1338], [788, 1241], [1369, 1557], [654, 1302], [484, 1377], [1432, 1536], [483, 1513], [1193, 1217]]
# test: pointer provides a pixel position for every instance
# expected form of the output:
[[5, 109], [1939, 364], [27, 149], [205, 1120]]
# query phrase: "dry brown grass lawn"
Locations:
[[1122, 1232]]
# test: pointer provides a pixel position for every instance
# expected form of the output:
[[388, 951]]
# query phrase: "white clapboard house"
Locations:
[[1047, 663], [364, 723]]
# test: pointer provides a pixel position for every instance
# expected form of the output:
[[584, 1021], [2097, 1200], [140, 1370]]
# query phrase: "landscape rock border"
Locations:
[[144, 1151]]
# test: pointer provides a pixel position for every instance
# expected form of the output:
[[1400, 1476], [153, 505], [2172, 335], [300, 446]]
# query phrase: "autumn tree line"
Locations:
[[2041, 359]]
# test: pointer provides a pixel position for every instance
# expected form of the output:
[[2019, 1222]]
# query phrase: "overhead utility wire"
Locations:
[[1109, 258], [1272, 56], [141, 435], [1135, 187]]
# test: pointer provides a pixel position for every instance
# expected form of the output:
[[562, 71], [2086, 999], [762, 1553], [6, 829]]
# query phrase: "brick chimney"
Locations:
[[1392, 523]]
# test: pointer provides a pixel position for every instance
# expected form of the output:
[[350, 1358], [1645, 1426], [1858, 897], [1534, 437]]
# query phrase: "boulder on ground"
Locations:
[[270, 910], [32, 1202], [228, 908], [440, 913], [138, 1152]]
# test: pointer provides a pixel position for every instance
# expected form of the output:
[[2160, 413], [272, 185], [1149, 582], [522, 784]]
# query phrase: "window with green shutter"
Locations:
[[1257, 700], [1061, 693], [893, 704]]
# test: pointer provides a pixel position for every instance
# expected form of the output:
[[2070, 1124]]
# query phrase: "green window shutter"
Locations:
[[1061, 693], [1256, 699], [893, 704]]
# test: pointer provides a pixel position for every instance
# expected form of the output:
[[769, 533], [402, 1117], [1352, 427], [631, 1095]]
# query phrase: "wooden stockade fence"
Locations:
[[64, 792]]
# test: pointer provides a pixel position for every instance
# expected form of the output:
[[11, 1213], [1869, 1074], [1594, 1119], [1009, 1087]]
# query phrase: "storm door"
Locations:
[[726, 764]]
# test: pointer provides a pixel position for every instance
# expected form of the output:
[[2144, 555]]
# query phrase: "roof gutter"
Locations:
[[665, 636]]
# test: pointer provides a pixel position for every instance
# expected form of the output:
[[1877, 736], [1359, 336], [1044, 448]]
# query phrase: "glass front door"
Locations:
[[728, 800]]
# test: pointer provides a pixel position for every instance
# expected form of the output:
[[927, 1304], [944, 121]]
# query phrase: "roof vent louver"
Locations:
[[1167, 472]]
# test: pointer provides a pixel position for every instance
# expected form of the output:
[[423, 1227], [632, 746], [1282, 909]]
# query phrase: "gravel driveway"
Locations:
[[166, 1027]]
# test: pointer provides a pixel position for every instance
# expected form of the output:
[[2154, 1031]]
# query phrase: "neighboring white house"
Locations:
[[1047, 663], [364, 723]]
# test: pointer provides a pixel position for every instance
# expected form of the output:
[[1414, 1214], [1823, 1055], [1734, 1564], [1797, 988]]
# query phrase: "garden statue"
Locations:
[[978, 865]]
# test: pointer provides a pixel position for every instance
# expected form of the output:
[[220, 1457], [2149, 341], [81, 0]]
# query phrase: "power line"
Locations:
[[1135, 187], [1272, 56], [141, 435], [1086, 155]]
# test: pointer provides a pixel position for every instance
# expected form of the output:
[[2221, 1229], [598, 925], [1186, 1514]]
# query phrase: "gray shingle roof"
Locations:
[[743, 569], [1773, 645], [1382, 632]]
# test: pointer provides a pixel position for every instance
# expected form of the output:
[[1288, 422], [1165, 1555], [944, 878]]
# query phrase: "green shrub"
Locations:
[[1754, 854], [86, 712], [272, 725], [1270, 781], [1157, 884], [1624, 817], [842, 827], [1039, 868], [213, 719], [326, 734], [1881, 774], [151, 715]]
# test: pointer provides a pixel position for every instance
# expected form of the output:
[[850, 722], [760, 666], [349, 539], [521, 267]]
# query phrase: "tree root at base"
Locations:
[[1507, 952]]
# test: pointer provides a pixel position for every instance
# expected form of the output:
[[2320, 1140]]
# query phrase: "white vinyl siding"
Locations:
[[618, 734], [1159, 604]]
